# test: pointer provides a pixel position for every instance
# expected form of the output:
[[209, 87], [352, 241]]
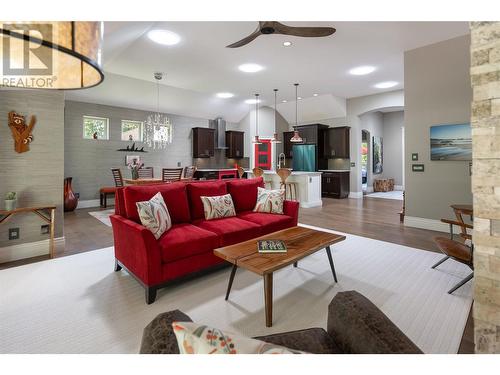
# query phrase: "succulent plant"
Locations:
[[11, 195]]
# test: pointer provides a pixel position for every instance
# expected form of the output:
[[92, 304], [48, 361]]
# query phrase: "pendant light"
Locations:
[[256, 140], [157, 128], [296, 136], [275, 136], [68, 54]]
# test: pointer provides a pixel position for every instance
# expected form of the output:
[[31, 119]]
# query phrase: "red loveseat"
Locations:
[[187, 248]]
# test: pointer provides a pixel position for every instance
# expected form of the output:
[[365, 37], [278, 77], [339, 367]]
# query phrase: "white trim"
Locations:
[[28, 250], [399, 187], [95, 203], [311, 204], [369, 189], [356, 194], [429, 224]]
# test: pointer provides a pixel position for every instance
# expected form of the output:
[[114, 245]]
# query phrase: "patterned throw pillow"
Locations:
[[270, 201], [217, 207], [193, 338], [154, 215]]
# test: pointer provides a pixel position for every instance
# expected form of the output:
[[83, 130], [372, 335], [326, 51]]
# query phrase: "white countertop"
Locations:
[[333, 170], [294, 173], [215, 169]]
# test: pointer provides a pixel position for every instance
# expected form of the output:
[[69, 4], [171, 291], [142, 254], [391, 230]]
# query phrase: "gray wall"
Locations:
[[36, 175], [393, 145], [89, 161], [437, 91]]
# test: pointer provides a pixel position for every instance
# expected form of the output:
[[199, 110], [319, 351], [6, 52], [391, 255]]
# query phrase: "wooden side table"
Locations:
[[42, 213]]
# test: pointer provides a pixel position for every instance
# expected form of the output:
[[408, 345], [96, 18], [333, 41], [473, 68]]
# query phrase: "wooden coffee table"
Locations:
[[300, 243]]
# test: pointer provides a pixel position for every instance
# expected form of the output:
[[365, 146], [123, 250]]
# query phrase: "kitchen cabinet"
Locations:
[[203, 142], [335, 184], [336, 143], [314, 134], [234, 144], [287, 145]]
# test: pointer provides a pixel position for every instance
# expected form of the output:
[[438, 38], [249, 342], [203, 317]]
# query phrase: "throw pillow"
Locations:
[[193, 338], [154, 215], [270, 201], [217, 207]]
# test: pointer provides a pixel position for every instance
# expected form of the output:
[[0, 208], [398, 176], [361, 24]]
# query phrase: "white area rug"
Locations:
[[77, 304], [395, 194], [103, 216]]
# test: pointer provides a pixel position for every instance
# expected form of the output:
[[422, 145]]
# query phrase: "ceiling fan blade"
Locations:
[[303, 31], [245, 40]]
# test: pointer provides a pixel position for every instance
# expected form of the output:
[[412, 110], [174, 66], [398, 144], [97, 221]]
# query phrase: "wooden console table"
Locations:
[[41, 212]]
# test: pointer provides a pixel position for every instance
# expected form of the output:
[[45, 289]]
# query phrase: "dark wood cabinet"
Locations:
[[235, 144], [203, 142], [314, 134], [335, 184], [336, 143], [287, 145]]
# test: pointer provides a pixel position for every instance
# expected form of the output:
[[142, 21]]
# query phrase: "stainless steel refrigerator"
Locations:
[[304, 158]]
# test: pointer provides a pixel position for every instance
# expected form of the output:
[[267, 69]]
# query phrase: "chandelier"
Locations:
[[158, 128]]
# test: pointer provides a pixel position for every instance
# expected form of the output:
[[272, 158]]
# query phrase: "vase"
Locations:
[[70, 200], [135, 174], [10, 204]]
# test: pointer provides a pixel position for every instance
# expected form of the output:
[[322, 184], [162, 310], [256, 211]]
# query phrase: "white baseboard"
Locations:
[[356, 194], [95, 203], [429, 224], [311, 204], [369, 189], [28, 250]]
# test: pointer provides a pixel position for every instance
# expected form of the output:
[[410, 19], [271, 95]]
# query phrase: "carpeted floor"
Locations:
[[77, 304], [103, 216]]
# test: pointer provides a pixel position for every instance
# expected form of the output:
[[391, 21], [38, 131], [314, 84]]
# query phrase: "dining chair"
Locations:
[[171, 174], [146, 172], [117, 175], [189, 172], [291, 188]]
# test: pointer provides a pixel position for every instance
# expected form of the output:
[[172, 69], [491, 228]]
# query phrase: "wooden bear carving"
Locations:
[[20, 131]]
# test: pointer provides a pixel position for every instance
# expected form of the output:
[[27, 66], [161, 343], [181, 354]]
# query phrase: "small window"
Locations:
[[95, 127], [132, 130]]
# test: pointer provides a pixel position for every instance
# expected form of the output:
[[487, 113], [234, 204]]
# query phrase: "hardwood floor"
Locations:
[[369, 217]]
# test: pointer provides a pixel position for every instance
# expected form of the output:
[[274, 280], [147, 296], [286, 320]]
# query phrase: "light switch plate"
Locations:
[[13, 233], [178, 163], [44, 229], [353, 164]]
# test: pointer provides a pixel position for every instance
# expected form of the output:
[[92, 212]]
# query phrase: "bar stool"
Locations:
[[291, 188], [259, 172]]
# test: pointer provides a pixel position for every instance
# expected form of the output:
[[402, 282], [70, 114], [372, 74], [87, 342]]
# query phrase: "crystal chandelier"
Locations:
[[158, 128]]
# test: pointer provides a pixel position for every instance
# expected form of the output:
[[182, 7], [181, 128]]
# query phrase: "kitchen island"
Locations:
[[309, 185]]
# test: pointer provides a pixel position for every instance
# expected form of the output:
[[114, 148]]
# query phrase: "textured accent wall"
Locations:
[[36, 175], [89, 161], [485, 78]]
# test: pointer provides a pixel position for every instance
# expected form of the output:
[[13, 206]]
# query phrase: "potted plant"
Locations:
[[10, 201], [134, 167]]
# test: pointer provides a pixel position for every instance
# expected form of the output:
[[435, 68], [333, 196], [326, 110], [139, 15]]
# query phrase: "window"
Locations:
[[95, 127], [132, 130]]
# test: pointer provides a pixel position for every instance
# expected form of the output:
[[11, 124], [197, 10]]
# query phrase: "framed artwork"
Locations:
[[378, 155], [132, 159], [451, 142]]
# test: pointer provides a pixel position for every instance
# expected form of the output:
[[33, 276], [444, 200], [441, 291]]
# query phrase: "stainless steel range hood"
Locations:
[[219, 124]]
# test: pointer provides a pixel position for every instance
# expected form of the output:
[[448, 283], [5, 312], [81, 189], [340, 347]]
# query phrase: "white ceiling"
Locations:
[[200, 65]]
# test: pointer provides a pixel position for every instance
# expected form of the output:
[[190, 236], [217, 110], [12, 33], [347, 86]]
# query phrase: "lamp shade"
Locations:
[[51, 55], [296, 137]]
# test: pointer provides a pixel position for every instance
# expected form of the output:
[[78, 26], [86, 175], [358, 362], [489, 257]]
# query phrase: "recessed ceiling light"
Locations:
[[300, 98], [362, 70], [385, 85], [165, 37], [252, 101], [284, 101], [250, 68], [287, 44], [315, 94], [224, 95]]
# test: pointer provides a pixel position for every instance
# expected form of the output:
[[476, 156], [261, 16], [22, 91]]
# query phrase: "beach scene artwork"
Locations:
[[451, 142]]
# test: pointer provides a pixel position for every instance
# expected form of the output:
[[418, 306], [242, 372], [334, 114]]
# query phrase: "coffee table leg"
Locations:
[[268, 298], [296, 264], [231, 278], [328, 252]]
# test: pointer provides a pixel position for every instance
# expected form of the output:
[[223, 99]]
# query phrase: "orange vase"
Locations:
[[70, 201]]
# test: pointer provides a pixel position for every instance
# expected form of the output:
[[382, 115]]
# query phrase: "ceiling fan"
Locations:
[[274, 27]]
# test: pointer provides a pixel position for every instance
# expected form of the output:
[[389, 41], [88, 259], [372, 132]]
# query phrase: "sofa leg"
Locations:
[[150, 295], [117, 266]]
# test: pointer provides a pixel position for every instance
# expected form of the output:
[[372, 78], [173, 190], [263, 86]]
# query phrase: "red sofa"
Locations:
[[187, 248]]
